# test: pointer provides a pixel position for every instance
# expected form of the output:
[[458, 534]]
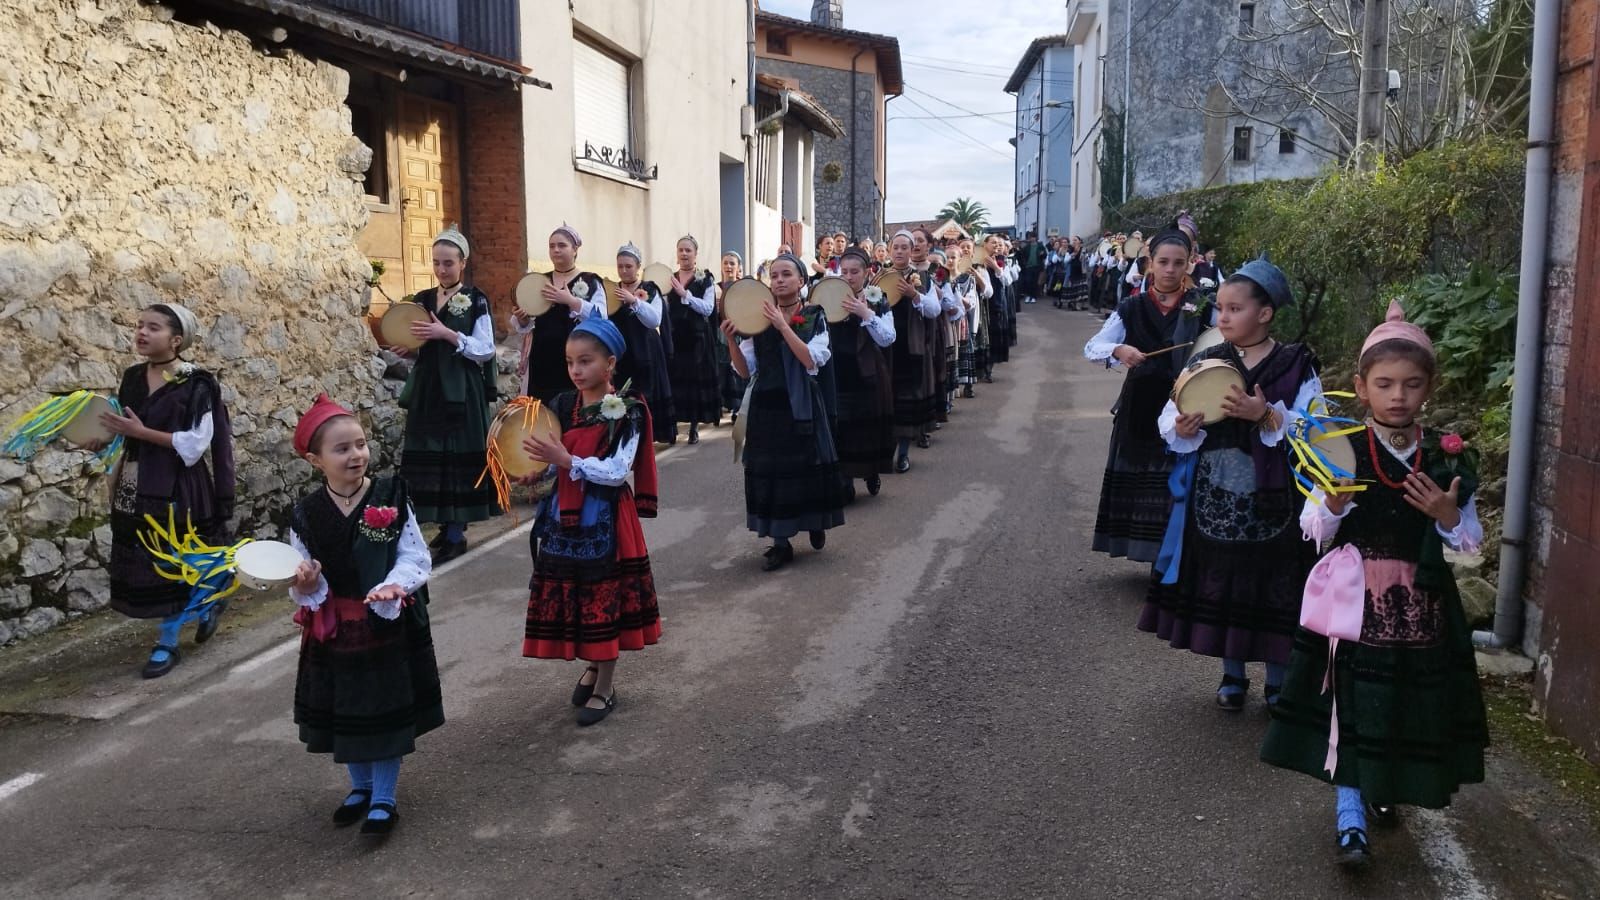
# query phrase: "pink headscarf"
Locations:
[[1395, 327]]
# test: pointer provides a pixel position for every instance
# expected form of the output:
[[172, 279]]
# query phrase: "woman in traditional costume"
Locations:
[[1001, 316], [863, 384], [728, 381], [644, 365], [574, 297], [917, 311], [1403, 682], [172, 414], [696, 395], [1075, 295], [1134, 499], [791, 469], [592, 594], [1232, 565], [367, 685], [447, 399]]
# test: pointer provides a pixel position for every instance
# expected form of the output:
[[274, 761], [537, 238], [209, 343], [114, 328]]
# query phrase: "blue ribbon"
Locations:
[[1181, 484]]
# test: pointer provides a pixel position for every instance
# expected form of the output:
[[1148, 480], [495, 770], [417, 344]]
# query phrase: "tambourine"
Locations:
[[515, 422], [742, 305], [395, 326], [85, 428], [830, 294], [1133, 248], [1211, 337], [265, 565], [1203, 386], [613, 302], [530, 294], [889, 283], [659, 275]]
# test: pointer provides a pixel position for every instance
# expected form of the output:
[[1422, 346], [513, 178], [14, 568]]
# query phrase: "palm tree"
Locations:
[[967, 213]]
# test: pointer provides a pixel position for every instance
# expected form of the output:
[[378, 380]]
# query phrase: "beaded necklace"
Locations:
[[1377, 464]]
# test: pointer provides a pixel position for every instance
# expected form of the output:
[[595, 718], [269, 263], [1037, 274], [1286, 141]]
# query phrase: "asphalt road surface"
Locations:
[[949, 701]]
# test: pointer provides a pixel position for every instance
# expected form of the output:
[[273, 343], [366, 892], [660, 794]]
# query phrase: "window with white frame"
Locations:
[[602, 100]]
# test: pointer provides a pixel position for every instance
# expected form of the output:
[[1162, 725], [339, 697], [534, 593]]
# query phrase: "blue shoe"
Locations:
[[156, 668]]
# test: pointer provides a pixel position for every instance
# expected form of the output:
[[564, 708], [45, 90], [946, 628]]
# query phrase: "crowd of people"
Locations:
[[1337, 585], [1369, 674], [817, 405]]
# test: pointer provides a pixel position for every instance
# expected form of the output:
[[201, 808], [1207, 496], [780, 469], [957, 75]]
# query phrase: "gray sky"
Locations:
[[961, 53]]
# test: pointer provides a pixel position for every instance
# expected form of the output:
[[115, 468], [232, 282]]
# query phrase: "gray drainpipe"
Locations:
[[1508, 612], [854, 127], [783, 110]]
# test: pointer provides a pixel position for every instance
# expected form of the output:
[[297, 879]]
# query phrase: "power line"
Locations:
[[1003, 112], [974, 141]]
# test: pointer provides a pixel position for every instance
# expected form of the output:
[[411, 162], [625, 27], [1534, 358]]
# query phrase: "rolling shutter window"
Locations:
[[602, 98]]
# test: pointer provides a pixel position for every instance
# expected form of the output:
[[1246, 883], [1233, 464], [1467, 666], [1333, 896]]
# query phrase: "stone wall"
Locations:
[[831, 87], [150, 160]]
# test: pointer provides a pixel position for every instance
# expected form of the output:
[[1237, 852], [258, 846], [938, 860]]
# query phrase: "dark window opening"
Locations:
[[1247, 18], [1286, 139], [1241, 144], [370, 127], [778, 43]]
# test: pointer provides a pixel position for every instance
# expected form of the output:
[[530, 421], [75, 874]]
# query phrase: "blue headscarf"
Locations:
[[1271, 280], [606, 332]]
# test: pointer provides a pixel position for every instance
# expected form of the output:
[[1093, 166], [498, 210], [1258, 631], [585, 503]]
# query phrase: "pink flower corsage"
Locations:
[[1452, 444], [378, 524]]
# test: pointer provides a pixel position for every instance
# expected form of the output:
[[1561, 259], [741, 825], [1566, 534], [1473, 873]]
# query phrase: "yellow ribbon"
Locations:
[[192, 560]]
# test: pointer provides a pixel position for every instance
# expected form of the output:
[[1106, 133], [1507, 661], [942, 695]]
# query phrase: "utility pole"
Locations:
[[1374, 85]]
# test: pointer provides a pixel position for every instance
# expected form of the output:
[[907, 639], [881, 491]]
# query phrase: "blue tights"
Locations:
[[455, 532], [167, 636], [1352, 812], [380, 779], [1235, 668]]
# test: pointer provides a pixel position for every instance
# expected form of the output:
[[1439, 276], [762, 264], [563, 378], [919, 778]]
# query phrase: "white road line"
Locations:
[[1447, 860], [18, 783]]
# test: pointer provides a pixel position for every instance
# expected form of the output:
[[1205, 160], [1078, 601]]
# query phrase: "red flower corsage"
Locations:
[[797, 319], [1452, 444], [378, 524]]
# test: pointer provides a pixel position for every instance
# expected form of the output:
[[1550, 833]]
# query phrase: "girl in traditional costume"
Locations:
[[644, 365], [791, 470], [1395, 716], [696, 395], [863, 384], [367, 684], [172, 415], [574, 296], [729, 382], [1134, 499], [1232, 566], [447, 399], [917, 311], [592, 594]]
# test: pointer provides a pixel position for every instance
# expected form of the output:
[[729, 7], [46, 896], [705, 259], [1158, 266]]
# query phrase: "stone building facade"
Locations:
[[198, 152], [851, 74], [1562, 610]]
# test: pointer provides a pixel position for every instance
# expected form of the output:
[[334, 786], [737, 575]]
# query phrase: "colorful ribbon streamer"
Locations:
[[1312, 467], [43, 423], [495, 468], [208, 570]]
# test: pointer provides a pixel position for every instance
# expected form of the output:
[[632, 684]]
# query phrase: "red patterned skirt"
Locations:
[[594, 609]]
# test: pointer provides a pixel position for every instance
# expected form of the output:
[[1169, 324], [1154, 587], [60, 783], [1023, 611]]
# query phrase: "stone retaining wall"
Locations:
[[150, 160]]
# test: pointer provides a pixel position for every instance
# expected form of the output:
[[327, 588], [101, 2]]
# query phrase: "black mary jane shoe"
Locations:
[[350, 813], [924, 442], [966, 393], [777, 558], [153, 669], [819, 539], [582, 693], [1386, 816], [1354, 851], [902, 465], [448, 552], [694, 436], [589, 715], [1270, 694], [1233, 702], [209, 622], [380, 827], [874, 484]]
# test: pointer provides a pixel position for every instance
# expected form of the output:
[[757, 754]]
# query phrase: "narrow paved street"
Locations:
[[949, 701]]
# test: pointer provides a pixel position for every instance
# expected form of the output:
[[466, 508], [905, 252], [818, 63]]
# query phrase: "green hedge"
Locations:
[[1350, 241]]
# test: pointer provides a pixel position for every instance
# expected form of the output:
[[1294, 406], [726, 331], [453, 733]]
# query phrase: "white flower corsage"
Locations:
[[1207, 283], [872, 294], [612, 407], [1190, 308], [459, 304], [179, 373], [580, 289]]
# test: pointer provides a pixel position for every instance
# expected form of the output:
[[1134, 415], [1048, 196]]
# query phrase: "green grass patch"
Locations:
[[1511, 724]]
